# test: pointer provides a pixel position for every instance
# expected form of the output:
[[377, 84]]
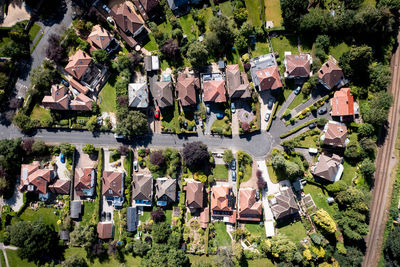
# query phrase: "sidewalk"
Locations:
[[285, 105]]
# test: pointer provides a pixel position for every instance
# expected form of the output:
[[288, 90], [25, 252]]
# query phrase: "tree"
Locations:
[[157, 215], [391, 4], [54, 51], [306, 88], [123, 101], [157, 158], [240, 15], [223, 30], [23, 122], [353, 151], [27, 145], [122, 62], [392, 248], [196, 155], [293, 170], [39, 147], [134, 124], [352, 4], [83, 236], [100, 56], [92, 124], [245, 126], [170, 49], [228, 156], [123, 150], [280, 247], [197, 54], [160, 232], [353, 257], [336, 187], [366, 130], [367, 168], [325, 221], [140, 248], [368, 145], [89, 149], [42, 77], [355, 62], [278, 161], [352, 198], [74, 261], [67, 149], [375, 112], [177, 257], [379, 76], [292, 10]]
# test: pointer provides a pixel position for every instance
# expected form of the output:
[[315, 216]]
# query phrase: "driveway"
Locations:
[[16, 12], [62, 172], [16, 201], [214, 110], [263, 99]]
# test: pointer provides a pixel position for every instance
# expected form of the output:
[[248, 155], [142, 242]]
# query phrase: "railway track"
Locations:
[[385, 162]]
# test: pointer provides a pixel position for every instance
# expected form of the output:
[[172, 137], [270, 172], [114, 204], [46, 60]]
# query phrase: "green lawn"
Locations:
[[221, 236], [349, 172], [196, 260], [253, 8], [33, 31], [170, 118], [145, 216], [168, 216], [226, 8], [255, 229], [248, 171], [309, 141], [260, 49], [2, 259], [166, 27], [107, 96], [275, 176], [188, 26], [282, 44], [319, 196], [45, 214], [337, 50], [369, 3], [41, 114], [88, 210], [117, 225], [220, 172], [273, 11], [152, 44], [164, 64], [298, 100], [234, 58], [294, 231], [15, 261], [221, 126]]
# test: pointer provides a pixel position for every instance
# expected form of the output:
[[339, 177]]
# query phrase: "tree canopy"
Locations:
[[133, 124], [196, 155]]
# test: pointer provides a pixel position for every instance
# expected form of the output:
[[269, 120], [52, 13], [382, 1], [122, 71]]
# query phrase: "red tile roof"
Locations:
[[249, 209], [126, 18], [105, 230], [222, 199], [330, 73], [78, 86], [78, 64], [31, 174], [81, 102], [112, 183], [83, 179], [186, 88], [61, 187], [194, 195], [99, 38], [342, 103], [269, 78], [214, 91], [298, 65], [59, 98]]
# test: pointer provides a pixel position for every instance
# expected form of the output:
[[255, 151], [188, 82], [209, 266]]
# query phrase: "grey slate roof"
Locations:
[[166, 188], [142, 187], [162, 94], [76, 209], [131, 219]]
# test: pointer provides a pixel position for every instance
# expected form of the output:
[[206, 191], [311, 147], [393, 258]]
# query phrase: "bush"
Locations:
[[89, 149]]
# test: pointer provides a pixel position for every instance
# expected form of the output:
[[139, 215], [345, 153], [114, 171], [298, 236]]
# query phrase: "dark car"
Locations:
[[271, 102], [108, 216], [220, 116], [103, 215], [322, 111], [65, 83], [234, 176], [233, 165], [312, 125]]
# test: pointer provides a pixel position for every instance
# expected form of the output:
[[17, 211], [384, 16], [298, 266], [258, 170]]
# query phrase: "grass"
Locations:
[[168, 216], [117, 224], [255, 229], [170, 118], [164, 64], [294, 231], [196, 260], [260, 49], [2, 259], [370, 3], [107, 96], [40, 114], [145, 216], [166, 27], [282, 44], [297, 128], [348, 173], [337, 50], [309, 141], [247, 173], [273, 11], [298, 100], [36, 43], [226, 8], [45, 214], [319, 196], [221, 236], [15, 261], [275, 177], [188, 26], [88, 210], [33, 31], [234, 58], [219, 127], [253, 8], [207, 14], [220, 172], [152, 44]]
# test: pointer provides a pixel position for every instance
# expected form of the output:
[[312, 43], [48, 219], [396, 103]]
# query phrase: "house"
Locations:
[[165, 191], [105, 230], [331, 75], [79, 87], [223, 203], [214, 88], [36, 179], [335, 134], [162, 94], [128, 22], [283, 204], [60, 186], [186, 90], [113, 187], [194, 195], [344, 108], [237, 83], [79, 64], [329, 168], [61, 99], [179, 7], [132, 219], [138, 95], [265, 73], [85, 179], [142, 190], [297, 66], [151, 63], [100, 38], [145, 7], [249, 208], [76, 209]]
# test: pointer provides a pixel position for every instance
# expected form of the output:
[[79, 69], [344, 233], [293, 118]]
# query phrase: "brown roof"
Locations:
[[112, 184], [283, 204], [78, 64], [78, 86], [149, 4], [342, 103], [194, 195], [166, 189], [335, 134], [81, 102], [186, 88], [105, 230], [162, 94], [99, 38], [221, 198], [142, 187], [126, 18], [237, 83], [60, 186], [330, 73], [269, 78], [214, 91], [204, 217], [31, 174], [83, 179], [327, 166], [59, 98], [298, 65], [249, 208]]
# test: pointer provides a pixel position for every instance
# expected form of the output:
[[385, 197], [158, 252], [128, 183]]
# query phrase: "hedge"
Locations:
[[298, 128], [97, 206]]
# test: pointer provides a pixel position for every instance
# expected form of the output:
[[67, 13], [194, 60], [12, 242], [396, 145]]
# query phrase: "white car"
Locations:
[[118, 136], [106, 8], [135, 166]]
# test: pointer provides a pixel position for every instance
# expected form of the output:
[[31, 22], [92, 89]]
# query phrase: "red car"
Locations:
[[157, 114]]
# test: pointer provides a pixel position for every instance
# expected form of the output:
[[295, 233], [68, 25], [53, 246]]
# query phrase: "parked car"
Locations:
[[73, 15], [312, 125], [267, 116], [106, 8], [233, 165], [208, 109], [103, 215], [65, 83], [118, 136], [297, 90], [271, 102], [234, 176], [157, 114], [108, 216], [135, 166], [322, 111], [233, 108], [220, 116], [109, 19], [62, 158]]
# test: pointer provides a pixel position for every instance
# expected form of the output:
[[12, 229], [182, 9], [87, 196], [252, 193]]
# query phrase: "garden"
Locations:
[[175, 121], [245, 166]]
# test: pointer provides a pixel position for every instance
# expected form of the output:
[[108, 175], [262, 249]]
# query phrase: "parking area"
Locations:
[[264, 98], [214, 110], [242, 113]]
